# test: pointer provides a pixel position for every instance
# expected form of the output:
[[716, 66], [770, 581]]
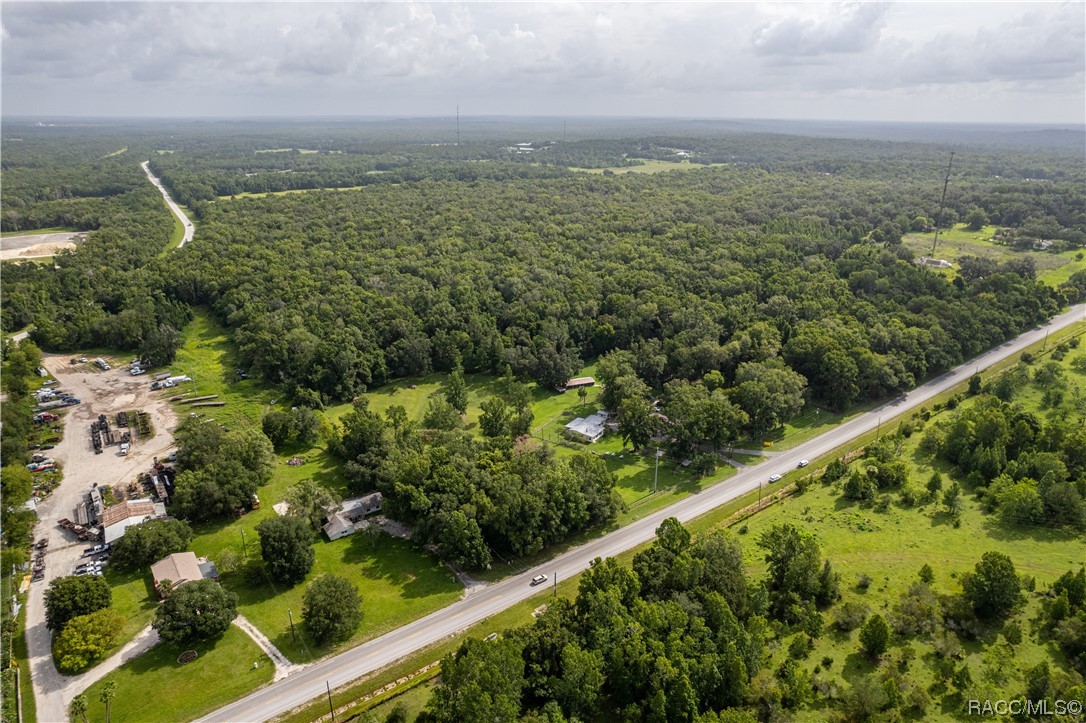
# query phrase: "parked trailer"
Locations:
[[79, 530]]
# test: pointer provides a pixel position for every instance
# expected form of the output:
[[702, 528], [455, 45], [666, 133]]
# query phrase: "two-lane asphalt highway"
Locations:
[[189, 228], [310, 682]]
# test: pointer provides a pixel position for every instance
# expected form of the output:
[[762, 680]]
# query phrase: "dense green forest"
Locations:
[[785, 259]]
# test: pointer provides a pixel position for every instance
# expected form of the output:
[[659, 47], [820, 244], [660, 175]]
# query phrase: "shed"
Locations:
[[119, 517]]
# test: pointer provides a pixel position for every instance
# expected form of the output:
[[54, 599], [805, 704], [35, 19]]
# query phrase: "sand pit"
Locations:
[[33, 246]]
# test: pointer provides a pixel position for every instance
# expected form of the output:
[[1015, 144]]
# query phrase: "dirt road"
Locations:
[[101, 393]]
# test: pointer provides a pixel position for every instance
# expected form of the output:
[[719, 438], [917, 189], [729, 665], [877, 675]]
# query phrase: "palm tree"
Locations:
[[78, 707], [107, 695], [583, 394]]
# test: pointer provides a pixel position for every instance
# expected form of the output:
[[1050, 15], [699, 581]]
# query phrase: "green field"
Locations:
[[649, 165], [207, 355], [1052, 268], [293, 190], [36, 231], [155, 687]]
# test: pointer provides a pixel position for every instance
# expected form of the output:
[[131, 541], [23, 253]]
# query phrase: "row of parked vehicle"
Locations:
[[99, 558], [38, 570]]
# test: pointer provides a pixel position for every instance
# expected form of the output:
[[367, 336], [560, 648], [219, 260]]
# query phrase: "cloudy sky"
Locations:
[[997, 62]]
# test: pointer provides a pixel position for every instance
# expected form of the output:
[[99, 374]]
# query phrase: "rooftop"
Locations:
[[123, 510]]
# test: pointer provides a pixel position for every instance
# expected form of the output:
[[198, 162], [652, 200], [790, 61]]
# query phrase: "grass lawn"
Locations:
[[413, 702], [1052, 268], [134, 599], [890, 548], [176, 235], [155, 687], [398, 582], [36, 231], [207, 355], [552, 411]]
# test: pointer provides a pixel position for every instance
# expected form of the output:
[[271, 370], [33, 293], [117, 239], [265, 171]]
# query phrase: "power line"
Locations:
[[946, 182]]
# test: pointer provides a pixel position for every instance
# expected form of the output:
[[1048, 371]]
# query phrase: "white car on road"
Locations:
[[803, 463], [539, 579], [774, 478]]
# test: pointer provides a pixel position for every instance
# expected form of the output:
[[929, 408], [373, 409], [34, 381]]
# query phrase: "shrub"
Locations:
[[800, 647], [850, 616]]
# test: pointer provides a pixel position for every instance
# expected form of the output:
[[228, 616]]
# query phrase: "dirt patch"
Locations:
[[39, 245]]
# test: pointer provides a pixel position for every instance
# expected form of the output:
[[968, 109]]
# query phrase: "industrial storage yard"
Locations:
[[101, 392]]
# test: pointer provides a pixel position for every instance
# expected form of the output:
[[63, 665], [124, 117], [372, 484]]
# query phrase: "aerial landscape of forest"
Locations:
[[416, 416]]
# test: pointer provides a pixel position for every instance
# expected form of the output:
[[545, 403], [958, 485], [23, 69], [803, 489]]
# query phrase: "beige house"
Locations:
[[182, 567]]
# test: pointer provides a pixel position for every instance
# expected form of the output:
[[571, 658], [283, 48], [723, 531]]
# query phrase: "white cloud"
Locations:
[[677, 58], [838, 28]]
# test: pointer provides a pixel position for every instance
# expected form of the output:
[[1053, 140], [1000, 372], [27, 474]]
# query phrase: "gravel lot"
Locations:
[[101, 393]]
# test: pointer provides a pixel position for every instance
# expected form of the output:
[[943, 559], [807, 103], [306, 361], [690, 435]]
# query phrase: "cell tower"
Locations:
[[946, 182]]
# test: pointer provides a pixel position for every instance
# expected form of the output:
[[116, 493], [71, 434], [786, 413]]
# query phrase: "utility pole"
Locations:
[[946, 182], [331, 710], [244, 547], [656, 472], [291, 616], [878, 429], [1045, 345], [556, 584]]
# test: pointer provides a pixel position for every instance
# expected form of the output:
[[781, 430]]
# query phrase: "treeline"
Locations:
[[20, 364], [470, 498], [680, 635], [196, 181]]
